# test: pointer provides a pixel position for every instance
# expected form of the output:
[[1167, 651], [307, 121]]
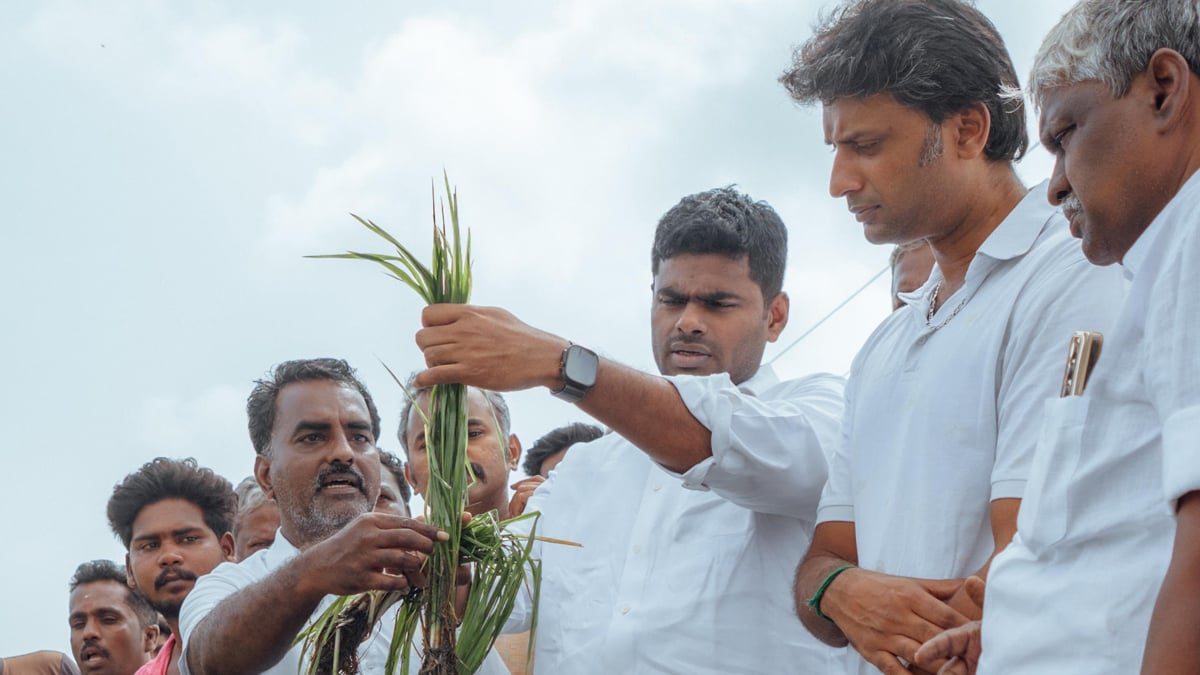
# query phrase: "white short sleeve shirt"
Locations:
[[940, 422], [1095, 532]]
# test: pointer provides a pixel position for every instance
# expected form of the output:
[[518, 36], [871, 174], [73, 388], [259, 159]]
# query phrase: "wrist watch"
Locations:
[[578, 372]]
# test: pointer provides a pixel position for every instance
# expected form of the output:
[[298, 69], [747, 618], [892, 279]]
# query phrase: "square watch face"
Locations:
[[580, 366]]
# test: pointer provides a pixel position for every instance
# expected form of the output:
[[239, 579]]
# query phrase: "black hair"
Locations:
[[260, 406], [556, 440], [163, 478]]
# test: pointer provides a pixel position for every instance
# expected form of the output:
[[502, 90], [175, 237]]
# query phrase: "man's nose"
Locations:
[[691, 320], [844, 178], [1059, 188]]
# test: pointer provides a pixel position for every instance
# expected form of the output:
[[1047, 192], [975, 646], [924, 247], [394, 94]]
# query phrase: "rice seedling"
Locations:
[[501, 559]]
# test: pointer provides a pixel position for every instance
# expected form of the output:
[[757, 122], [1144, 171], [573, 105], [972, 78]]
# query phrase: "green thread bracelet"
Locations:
[[815, 601]]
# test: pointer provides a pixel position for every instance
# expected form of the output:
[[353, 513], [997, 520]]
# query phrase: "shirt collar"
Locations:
[[1021, 228], [282, 548], [1137, 255]]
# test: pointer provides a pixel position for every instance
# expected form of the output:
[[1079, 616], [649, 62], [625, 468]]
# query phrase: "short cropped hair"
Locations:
[[95, 571], [260, 406], [556, 440], [250, 497], [1112, 42], [936, 56], [394, 464], [494, 399], [163, 478], [726, 222]]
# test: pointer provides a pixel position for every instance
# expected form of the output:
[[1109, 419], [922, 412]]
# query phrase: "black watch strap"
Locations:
[[578, 370]]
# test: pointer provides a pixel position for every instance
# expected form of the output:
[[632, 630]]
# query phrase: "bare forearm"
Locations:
[[1173, 643], [647, 411], [251, 630], [811, 573]]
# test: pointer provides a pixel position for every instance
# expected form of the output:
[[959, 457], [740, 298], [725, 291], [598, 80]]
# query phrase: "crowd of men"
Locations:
[[958, 505]]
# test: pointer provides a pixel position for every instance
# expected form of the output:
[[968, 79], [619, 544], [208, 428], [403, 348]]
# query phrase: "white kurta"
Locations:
[[1074, 592], [689, 574], [941, 422], [229, 578]]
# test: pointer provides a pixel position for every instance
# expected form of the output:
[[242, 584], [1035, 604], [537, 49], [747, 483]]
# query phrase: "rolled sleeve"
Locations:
[[769, 451], [1181, 470]]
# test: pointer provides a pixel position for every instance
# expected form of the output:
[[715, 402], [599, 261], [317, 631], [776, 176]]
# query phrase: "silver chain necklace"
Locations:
[[933, 306]]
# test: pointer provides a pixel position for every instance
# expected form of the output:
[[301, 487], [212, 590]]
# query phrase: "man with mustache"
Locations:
[[113, 628], [492, 450], [313, 425], [922, 109], [691, 515], [1115, 493], [174, 519]]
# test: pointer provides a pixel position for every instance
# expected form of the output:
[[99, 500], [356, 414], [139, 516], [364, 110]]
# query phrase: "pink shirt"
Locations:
[[162, 662]]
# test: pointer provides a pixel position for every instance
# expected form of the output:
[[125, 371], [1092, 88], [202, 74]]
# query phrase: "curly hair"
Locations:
[[726, 222], [162, 478]]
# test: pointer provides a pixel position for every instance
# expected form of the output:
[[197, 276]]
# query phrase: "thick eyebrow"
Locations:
[[713, 296], [178, 532], [359, 426], [306, 425]]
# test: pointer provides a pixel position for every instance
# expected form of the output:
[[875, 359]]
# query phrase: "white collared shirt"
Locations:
[[229, 578], [1075, 590], [941, 422], [688, 574]]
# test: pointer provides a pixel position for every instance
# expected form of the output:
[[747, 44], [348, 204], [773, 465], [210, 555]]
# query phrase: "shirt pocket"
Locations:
[[1042, 520]]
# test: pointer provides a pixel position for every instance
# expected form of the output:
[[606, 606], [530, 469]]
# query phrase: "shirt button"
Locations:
[[637, 549], [922, 340], [625, 609], [657, 487]]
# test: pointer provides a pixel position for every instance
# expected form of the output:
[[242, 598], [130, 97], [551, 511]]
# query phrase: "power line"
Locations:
[[835, 310]]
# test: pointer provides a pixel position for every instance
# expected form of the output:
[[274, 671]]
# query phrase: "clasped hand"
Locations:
[[887, 618]]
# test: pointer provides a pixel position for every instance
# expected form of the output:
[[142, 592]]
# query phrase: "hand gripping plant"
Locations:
[[502, 559]]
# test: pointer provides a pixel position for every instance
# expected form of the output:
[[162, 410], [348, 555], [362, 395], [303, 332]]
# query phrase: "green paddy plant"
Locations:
[[502, 560]]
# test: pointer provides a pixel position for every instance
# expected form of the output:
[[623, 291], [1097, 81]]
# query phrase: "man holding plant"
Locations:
[[693, 513], [314, 426]]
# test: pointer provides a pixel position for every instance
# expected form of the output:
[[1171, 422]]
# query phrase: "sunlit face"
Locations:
[[255, 530], [106, 636], [491, 457], [910, 272], [883, 167], [170, 548], [1104, 172], [322, 469], [390, 500], [709, 317]]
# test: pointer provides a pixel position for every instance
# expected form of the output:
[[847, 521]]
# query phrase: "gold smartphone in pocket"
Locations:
[[1082, 355]]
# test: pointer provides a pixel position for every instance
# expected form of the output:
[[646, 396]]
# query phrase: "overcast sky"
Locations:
[[165, 166]]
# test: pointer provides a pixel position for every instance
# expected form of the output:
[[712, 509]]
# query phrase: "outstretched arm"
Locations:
[[490, 348]]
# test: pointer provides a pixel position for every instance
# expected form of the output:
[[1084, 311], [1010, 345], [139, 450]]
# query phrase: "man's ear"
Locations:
[[227, 546], [777, 315], [1171, 79], [970, 129], [149, 637], [411, 479], [262, 474], [514, 451], [129, 575]]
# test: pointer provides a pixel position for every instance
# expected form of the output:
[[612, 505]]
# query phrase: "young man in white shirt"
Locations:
[[692, 513], [922, 109], [1119, 92]]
